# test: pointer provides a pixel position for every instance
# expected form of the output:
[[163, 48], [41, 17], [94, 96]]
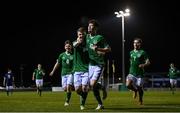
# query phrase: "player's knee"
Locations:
[[93, 83], [129, 85], [84, 89], [78, 91], [65, 88], [94, 88], [129, 82], [69, 88]]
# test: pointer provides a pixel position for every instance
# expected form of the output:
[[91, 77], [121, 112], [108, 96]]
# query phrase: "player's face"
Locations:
[[9, 71], [172, 65], [137, 44], [39, 66], [91, 28], [81, 35], [68, 47]]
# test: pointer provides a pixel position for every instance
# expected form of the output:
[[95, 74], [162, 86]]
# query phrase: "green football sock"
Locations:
[[84, 96], [97, 94], [68, 96]]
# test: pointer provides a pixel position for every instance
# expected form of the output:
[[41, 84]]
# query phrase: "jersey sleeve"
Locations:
[[101, 42]]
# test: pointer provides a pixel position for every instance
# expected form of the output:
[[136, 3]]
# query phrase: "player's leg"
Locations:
[[7, 90], [69, 88], [64, 86], [140, 83], [104, 86], [37, 86], [141, 93], [101, 85], [77, 83], [40, 86], [175, 84], [95, 72], [11, 90], [85, 82], [131, 84], [172, 85], [78, 87]]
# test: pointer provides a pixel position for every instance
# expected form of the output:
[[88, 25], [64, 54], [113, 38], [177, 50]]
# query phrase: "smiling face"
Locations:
[[68, 47], [81, 33]]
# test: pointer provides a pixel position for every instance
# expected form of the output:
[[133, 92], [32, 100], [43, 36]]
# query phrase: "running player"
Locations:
[[65, 59]]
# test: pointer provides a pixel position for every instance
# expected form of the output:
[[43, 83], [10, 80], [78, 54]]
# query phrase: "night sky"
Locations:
[[34, 32]]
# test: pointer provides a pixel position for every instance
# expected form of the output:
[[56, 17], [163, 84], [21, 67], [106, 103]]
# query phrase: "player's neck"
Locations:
[[136, 50], [93, 34], [68, 52]]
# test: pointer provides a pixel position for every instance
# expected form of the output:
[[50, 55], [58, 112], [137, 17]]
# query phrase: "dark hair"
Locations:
[[139, 39], [9, 69], [81, 29], [171, 63], [67, 42], [94, 22]]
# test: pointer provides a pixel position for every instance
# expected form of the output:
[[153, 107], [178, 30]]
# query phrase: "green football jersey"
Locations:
[[99, 41], [136, 58], [66, 61], [81, 58], [38, 73], [173, 73]]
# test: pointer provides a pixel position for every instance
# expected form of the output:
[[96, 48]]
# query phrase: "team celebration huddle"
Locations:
[[82, 65]]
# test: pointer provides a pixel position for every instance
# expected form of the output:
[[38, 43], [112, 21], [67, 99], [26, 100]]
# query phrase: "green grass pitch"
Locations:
[[117, 101]]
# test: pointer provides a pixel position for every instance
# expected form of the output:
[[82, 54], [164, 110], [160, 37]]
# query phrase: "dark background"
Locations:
[[34, 32]]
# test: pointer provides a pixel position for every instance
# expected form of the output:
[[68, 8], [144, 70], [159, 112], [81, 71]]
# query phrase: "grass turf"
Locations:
[[117, 101]]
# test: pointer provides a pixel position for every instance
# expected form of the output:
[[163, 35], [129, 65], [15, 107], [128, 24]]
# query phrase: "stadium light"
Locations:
[[122, 14]]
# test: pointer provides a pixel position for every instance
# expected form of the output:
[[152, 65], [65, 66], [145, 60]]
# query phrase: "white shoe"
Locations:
[[66, 104], [99, 107], [82, 107]]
